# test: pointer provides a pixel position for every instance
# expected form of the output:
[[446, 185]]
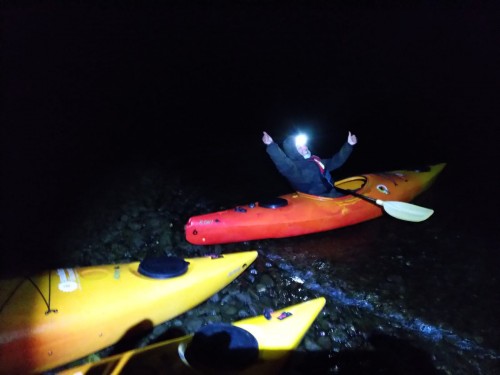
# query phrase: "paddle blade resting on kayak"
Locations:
[[298, 213], [399, 210], [406, 211]]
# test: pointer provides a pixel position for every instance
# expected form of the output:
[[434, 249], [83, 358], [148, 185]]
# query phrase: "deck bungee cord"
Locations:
[[45, 300]]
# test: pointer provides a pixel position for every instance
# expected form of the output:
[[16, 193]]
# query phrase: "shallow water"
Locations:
[[401, 297]]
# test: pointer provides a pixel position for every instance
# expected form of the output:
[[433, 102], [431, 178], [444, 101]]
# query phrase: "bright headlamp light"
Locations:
[[300, 140]]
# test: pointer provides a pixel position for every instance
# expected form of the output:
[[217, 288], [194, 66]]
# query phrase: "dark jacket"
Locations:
[[304, 174]]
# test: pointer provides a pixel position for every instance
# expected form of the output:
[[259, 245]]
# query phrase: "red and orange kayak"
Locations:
[[298, 213]]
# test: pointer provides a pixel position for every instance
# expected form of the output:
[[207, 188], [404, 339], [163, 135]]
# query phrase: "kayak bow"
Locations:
[[259, 345], [59, 316]]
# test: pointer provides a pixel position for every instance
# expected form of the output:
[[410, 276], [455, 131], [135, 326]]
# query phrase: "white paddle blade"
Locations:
[[406, 211]]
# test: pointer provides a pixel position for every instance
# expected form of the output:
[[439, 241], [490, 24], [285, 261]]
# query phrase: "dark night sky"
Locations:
[[86, 89]]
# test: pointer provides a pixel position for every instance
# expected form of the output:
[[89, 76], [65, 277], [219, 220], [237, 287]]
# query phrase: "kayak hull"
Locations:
[[306, 214], [277, 337], [59, 316]]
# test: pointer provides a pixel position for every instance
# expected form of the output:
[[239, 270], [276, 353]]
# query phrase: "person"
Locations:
[[305, 172]]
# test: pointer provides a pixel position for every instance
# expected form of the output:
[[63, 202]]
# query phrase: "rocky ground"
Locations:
[[375, 321]]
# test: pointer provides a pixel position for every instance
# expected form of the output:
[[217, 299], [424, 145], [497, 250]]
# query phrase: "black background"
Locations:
[[88, 89]]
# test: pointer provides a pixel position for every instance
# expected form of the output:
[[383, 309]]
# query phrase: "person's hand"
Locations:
[[351, 139], [266, 138]]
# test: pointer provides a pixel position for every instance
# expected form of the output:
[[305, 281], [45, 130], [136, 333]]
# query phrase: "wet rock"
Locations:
[[311, 345], [324, 342], [193, 325], [134, 226], [230, 310], [267, 281], [144, 218], [397, 279]]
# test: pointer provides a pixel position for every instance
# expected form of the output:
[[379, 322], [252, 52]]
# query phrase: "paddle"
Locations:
[[399, 210]]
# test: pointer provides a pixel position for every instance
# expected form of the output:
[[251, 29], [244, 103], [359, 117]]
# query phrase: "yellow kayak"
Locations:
[[259, 345], [62, 315]]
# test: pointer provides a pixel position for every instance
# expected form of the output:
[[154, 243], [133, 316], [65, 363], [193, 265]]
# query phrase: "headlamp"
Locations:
[[300, 140]]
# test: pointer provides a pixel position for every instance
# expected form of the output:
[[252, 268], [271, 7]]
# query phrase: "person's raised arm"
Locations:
[[266, 138], [352, 139]]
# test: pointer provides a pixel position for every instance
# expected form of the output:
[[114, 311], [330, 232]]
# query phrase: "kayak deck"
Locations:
[[61, 315]]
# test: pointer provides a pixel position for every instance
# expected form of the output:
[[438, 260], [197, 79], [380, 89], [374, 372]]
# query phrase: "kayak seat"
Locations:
[[163, 267], [273, 203], [222, 347], [351, 183]]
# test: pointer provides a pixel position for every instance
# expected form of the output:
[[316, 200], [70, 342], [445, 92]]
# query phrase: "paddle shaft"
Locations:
[[350, 192]]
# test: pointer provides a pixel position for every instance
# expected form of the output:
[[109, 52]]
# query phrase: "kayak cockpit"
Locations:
[[352, 183]]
